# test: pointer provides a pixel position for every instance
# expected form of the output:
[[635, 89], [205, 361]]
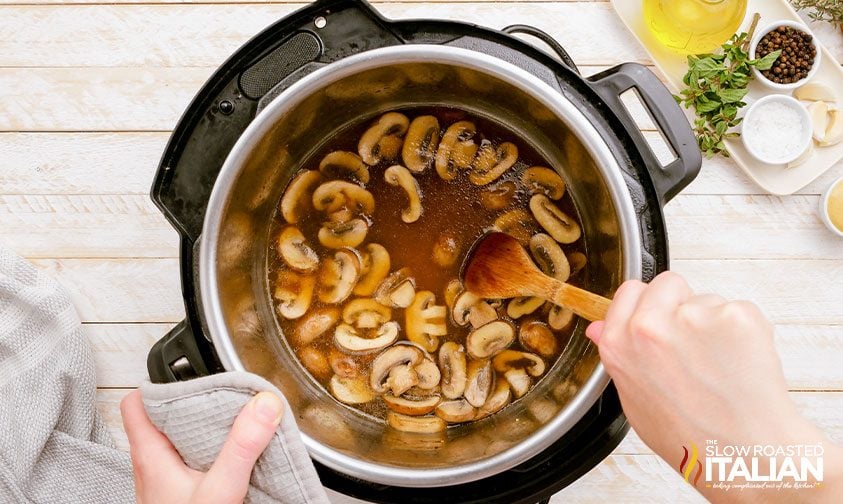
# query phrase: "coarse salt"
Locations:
[[775, 131]]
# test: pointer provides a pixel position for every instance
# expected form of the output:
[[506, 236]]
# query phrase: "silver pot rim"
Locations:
[[590, 137]]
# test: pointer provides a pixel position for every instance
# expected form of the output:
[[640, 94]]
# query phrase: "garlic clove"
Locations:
[[834, 132], [815, 91], [819, 119], [804, 157]]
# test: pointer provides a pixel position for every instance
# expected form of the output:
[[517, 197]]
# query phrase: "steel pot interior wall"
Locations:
[[252, 340]]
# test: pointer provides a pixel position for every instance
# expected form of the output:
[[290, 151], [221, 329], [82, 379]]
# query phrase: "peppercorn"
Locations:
[[796, 58]]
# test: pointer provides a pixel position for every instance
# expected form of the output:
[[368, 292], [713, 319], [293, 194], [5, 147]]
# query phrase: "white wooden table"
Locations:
[[89, 91]]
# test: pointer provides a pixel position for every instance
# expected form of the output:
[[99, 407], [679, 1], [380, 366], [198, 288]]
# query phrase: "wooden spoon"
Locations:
[[499, 267]]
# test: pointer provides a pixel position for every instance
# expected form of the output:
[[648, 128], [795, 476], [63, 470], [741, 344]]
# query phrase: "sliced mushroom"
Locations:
[[295, 251], [513, 359], [492, 162], [468, 308], [421, 143], [398, 289], [496, 401], [366, 313], [425, 321], [577, 261], [452, 290], [446, 250], [516, 223], [316, 323], [429, 374], [383, 139], [401, 379], [339, 164], [343, 364], [520, 306], [315, 361], [397, 175], [498, 196], [537, 338], [338, 275], [350, 390], [294, 292], [549, 257], [559, 318], [411, 407], [456, 411], [519, 381], [349, 339], [297, 197], [394, 357], [557, 223], [418, 425], [335, 195], [457, 149], [452, 364], [375, 264], [541, 180], [490, 339], [480, 378], [343, 234]]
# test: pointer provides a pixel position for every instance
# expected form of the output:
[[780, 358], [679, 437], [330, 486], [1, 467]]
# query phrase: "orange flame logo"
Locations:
[[686, 467]]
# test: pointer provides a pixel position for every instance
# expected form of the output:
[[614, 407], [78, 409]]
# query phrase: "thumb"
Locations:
[[595, 330], [228, 479]]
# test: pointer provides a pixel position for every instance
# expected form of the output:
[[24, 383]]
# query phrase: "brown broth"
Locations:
[[452, 208]]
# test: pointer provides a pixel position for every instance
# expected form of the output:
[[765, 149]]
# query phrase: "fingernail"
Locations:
[[268, 407]]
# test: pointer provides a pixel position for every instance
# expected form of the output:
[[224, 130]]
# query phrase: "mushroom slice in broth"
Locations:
[[541, 180], [297, 197], [341, 164], [453, 366], [294, 292], [294, 250], [492, 162], [425, 321], [397, 175], [338, 275], [383, 140], [420, 143], [557, 223], [457, 149]]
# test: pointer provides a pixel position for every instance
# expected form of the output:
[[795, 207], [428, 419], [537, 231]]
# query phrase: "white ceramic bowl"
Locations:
[[826, 218], [805, 138], [793, 85]]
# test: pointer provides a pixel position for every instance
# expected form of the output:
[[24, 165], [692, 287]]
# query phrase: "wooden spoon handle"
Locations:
[[586, 304]]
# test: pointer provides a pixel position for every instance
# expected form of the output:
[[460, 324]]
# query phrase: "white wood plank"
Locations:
[[699, 227], [147, 290], [86, 226], [749, 227], [79, 163], [204, 35], [125, 163], [120, 290], [96, 99], [120, 351]]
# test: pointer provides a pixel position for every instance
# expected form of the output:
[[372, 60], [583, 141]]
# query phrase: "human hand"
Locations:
[[162, 477], [690, 368]]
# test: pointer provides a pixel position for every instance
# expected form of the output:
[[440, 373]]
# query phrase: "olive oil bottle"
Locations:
[[693, 26]]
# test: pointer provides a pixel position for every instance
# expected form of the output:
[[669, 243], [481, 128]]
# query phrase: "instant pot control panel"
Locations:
[[328, 31]]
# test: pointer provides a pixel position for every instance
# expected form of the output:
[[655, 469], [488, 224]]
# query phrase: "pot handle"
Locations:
[[176, 356], [671, 178]]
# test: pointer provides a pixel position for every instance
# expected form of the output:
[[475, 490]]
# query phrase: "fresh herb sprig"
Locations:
[[830, 11], [716, 85]]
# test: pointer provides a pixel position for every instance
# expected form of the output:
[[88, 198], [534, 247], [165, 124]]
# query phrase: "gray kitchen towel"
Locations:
[[54, 446]]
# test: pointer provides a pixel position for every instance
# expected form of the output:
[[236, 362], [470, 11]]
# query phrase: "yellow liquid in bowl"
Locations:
[[693, 26], [835, 206]]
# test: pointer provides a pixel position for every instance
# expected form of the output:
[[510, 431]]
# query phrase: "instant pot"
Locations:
[[336, 63]]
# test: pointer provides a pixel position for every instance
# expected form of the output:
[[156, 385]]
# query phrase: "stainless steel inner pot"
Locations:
[[235, 297]]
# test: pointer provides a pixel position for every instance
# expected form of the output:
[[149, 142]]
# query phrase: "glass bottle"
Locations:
[[693, 26]]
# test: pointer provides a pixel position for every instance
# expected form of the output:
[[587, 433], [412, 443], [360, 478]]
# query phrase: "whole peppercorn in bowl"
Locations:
[[799, 59]]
